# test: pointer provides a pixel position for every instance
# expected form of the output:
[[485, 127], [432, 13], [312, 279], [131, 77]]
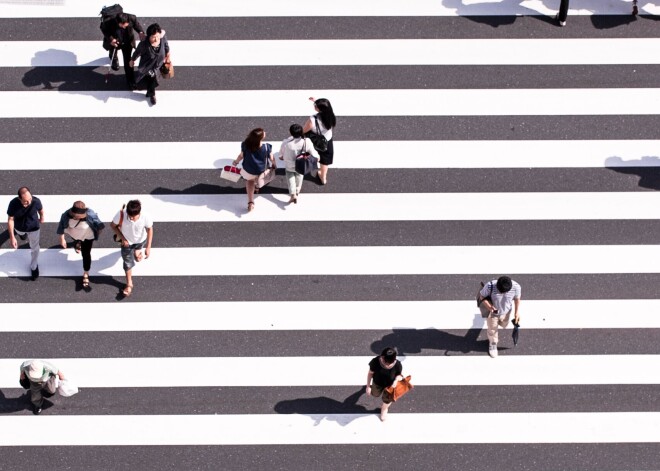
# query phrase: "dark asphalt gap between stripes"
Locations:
[[349, 128], [358, 77], [166, 182], [379, 233], [465, 26], [464, 457], [322, 400], [323, 288], [286, 343]]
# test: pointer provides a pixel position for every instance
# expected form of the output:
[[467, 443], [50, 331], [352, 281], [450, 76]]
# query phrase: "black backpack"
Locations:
[[108, 14]]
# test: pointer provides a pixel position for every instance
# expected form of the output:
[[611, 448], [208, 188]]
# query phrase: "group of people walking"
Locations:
[[257, 157], [132, 228], [153, 50]]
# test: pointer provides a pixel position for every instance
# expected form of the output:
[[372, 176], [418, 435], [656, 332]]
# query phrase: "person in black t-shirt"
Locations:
[[384, 371], [26, 214]]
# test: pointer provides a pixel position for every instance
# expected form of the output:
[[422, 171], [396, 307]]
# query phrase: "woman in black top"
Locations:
[[153, 53], [323, 122], [384, 371]]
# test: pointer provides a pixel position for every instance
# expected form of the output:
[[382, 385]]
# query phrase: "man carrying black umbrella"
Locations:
[[497, 299]]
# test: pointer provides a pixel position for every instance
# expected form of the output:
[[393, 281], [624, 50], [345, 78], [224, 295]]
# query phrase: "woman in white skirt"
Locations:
[[254, 155]]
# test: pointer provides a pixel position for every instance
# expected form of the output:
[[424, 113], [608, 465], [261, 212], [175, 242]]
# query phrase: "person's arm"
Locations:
[[117, 230], [10, 229], [516, 303], [150, 236], [272, 159], [138, 27], [483, 300], [137, 53], [367, 390], [41, 216], [309, 125], [63, 241], [238, 159]]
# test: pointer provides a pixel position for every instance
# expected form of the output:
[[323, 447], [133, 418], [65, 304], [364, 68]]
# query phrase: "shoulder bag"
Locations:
[[402, 387], [306, 163], [121, 221], [267, 175], [319, 141]]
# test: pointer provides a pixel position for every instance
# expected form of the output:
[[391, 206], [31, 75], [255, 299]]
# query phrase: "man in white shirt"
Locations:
[[135, 230], [497, 299]]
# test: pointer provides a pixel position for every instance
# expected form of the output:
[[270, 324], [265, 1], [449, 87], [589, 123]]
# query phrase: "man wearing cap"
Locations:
[[497, 299], [25, 214], [38, 372]]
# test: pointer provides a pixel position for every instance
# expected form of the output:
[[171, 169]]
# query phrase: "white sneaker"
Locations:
[[492, 350]]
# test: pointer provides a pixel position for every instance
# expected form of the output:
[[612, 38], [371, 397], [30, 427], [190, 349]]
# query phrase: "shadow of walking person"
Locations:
[[411, 341], [16, 401], [324, 408], [646, 168]]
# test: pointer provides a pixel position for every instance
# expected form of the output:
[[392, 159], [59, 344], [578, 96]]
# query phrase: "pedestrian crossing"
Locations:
[[464, 151]]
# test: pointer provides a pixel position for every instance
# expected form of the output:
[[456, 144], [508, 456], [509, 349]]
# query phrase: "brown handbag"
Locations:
[[402, 388], [167, 70]]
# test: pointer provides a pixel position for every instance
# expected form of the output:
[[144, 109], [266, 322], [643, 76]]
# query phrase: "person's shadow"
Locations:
[[410, 341], [341, 412], [11, 404], [489, 13], [646, 168]]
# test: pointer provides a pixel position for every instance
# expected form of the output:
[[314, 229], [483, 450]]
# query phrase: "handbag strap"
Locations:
[[318, 129]]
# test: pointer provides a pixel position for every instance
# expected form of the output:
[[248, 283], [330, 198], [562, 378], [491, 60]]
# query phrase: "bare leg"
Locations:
[[249, 187], [383, 411]]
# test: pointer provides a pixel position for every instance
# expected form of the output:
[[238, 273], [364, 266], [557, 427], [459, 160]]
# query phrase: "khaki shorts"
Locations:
[[376, 391]]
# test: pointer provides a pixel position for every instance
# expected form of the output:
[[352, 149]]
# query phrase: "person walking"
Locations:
[[498, 299], [83, 226], [323, 122], [255, 155], [291, 148], [25, 216], [119, 35], [135, 230], [384, 372], [153, 52], [39, 374]]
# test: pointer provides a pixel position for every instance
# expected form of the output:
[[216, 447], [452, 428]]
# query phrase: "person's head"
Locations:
[[78, 210], [122, 20], [25, 196], [253, 140], [36, 370], [323, 106], [153, 32], [389, 355], [296, 130], [133, 208], [504, 284]]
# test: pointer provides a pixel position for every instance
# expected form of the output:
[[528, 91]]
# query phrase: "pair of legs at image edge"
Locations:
[[130, 255]]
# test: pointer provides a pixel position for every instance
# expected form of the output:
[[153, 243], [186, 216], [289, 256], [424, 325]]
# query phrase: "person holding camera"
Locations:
[[497, 299], [153, 53], [119, 35]]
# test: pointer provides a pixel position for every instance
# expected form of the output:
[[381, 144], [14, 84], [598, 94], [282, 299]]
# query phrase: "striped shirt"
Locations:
[[503, 302]]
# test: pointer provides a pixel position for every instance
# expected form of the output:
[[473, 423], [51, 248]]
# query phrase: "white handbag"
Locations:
[[66, 388], [233, 174]]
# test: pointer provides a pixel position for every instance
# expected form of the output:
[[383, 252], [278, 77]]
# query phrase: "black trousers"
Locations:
[[126, 52], [563, 10], [86, 252], [150, 83]]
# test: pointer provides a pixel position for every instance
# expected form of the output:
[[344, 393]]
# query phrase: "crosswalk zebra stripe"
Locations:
[[106, 430], [354, 154], [328, 315], [250, 103], [539, 206], [401, 260], [363, 52], [349, 370], [265, 8]]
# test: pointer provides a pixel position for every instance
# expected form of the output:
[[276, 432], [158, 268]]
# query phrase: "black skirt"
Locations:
[[326, 157]]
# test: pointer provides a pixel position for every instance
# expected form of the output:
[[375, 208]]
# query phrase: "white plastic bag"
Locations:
[[66, 388]]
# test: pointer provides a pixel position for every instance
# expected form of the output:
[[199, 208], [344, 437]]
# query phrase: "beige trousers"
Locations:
[[493, 322]]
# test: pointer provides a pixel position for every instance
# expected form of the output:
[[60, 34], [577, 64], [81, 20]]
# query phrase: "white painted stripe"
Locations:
[[354, 154], [322, 429], [263, 103], [440, 370], [327, 315], [299, 52], [214, 8], [369, 206], [399, 260]]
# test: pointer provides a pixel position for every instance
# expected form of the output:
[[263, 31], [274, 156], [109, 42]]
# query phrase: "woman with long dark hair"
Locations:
[[254, 155], [323, 122]]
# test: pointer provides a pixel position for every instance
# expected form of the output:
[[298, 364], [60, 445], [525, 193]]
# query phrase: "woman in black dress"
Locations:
[[323, 122]]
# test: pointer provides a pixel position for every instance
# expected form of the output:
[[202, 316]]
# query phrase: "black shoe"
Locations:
[[132, 86], [35, 274], [36, 410], [152, 98], [115, 64]]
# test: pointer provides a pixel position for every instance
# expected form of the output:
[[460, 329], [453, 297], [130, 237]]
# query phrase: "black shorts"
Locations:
[[326, 157]]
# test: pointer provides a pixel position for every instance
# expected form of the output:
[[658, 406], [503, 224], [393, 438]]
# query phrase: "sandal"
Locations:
[[250, 206], [77, 246], [85, 281], [128, 289]]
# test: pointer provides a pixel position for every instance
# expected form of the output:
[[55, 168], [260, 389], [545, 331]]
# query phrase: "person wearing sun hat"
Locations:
[[38, 373]]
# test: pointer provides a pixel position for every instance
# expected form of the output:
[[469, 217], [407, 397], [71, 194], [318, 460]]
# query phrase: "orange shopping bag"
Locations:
[[402, 387]]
